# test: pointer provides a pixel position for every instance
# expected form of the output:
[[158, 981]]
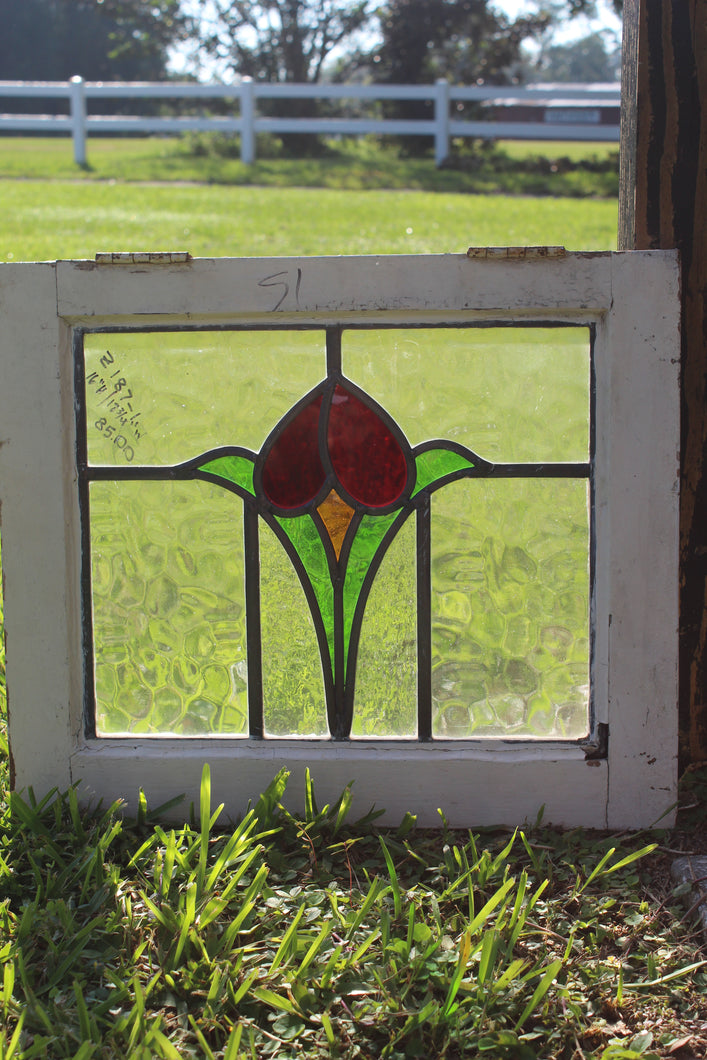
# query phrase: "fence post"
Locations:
[[441, 120], [77, 96], [247, 121]]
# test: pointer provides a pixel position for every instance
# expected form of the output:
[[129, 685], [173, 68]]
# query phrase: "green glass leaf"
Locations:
[[233, 468], [371, 531], [303, 533], [433, 465]]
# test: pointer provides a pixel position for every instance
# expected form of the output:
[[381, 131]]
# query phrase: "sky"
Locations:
[[569, 29]]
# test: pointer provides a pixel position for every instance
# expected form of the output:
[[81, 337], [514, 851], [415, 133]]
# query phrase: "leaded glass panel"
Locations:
[[363, 533]]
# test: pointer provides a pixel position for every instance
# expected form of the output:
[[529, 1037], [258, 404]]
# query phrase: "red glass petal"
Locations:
[[367, 457], [293, 472]]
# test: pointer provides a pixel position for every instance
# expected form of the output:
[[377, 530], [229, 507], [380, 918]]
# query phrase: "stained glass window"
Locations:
[[337, 533]]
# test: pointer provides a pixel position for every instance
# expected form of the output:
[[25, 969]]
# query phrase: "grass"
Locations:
[[516, 167], [51, 209], [305, 933], [48, 219]]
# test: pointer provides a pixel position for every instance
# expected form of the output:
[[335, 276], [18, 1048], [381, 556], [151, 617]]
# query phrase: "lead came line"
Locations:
[[251, 537], [424, 621]]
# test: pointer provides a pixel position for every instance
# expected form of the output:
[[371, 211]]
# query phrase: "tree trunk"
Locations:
[[664, 204]]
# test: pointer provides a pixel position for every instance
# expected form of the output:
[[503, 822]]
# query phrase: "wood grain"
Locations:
[[664, 205]]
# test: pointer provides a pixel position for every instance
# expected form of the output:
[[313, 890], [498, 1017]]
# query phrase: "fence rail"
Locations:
[[565, 101]]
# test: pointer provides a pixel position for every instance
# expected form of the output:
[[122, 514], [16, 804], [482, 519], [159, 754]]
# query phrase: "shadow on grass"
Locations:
[[479, 167], [474, 167]]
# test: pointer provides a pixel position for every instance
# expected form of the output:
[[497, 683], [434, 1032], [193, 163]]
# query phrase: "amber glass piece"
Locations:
[[366, 456], [336, 515], [293, 472]]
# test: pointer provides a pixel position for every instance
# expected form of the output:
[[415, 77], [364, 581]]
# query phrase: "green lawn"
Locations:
[[514, 167], [311, 935], [43, 220]]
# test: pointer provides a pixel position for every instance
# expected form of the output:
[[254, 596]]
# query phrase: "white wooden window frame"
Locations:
[[631, 299]]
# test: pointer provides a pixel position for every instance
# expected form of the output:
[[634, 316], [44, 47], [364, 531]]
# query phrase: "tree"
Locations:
[[278, 40], [589, 7], [586, 59], [464, 41], [52, 40]]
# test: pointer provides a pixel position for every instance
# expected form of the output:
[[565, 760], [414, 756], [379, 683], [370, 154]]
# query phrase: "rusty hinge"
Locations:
[[516, 253], [144, 257]]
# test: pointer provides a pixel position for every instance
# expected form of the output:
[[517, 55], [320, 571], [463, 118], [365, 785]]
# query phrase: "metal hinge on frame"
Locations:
[[144, 257], [516, 253]]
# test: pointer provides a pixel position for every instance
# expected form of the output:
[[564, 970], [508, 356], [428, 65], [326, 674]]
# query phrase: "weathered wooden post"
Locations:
[[663, 204]]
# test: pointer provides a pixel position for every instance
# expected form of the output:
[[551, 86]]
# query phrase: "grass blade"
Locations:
[[15, 1040], [600, 870], [207, 1051], [168, 1050], [276, 1001], [284, 947], [487, 959], [343, 808], [460, 968], [247, 905], [310, 803], [245, 987], [397, 898], [376, 889], [188, 918], [489, 907], [240, 839], [678, 974], [234, 1041], [205, 822], [315, 947], [539, 992], [84, 1019]]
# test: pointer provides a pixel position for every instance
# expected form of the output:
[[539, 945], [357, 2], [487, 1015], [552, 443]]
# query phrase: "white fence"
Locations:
[[578, 108]]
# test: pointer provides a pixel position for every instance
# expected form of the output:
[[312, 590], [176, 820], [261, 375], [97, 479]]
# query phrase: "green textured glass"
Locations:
[[508, 393], [235, 469], [435, 464], [168, 609], [163, 398], [293, 691], [385, 703], [369, 536], [510, 608], [305, 538]]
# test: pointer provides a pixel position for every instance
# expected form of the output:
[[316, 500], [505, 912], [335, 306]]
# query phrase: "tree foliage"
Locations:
[[586, 59], [465, 41], [52, 40], [589, 7], [278, 40]]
